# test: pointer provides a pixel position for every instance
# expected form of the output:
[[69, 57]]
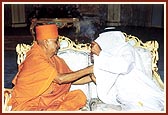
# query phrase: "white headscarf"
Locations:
[[111, 41]]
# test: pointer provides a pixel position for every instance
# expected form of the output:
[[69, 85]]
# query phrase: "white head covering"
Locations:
[[111, 41], [118, 79]]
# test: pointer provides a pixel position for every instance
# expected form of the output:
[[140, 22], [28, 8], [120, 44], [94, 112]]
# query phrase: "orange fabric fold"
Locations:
[[35, 90]]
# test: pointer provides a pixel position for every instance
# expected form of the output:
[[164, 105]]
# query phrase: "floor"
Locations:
[[13, 36]]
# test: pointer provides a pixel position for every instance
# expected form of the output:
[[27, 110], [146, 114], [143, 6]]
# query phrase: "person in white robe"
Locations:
[[120, 76]]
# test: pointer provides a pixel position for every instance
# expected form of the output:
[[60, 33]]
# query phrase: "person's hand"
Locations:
[[90, 69], [93, 78], [95, 48]]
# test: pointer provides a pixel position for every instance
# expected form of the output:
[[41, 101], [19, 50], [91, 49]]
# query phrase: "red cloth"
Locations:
[[34, 87]]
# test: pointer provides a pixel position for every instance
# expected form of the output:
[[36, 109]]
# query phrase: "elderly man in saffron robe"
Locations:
[[43, 80], [120, 76]]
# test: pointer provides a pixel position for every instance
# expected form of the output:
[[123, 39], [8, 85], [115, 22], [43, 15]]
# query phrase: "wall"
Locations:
[[145, 15], [157, 16]]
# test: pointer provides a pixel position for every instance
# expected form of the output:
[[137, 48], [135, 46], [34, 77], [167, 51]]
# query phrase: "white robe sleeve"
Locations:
[[121, 63], [107, 68]]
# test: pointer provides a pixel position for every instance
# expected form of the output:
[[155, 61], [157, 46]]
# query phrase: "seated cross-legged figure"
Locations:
[[43, 80]]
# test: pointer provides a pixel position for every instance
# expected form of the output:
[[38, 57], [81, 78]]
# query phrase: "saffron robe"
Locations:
[[34, 87]]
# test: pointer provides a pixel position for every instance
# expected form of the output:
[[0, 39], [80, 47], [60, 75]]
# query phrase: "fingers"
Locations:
[[93, 44], [93, 78]]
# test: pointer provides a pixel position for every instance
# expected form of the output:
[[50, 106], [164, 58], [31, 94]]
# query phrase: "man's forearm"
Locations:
[[73, 76], [83, 80]]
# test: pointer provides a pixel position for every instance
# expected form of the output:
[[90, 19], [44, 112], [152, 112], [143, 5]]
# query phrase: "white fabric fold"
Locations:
[[121, 78]]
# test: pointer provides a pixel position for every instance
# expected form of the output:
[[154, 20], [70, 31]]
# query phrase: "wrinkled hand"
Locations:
[[95, 48]]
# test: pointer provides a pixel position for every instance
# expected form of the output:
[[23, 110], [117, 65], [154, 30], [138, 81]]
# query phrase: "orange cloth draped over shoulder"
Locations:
[[35, 89]]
